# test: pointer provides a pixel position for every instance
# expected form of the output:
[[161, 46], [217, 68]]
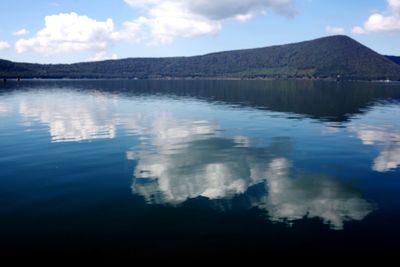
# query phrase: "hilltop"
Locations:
[[321, 58]]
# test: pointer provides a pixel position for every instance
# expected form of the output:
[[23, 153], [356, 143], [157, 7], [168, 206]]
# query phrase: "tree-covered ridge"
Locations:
[[395, 59], [321, 58]]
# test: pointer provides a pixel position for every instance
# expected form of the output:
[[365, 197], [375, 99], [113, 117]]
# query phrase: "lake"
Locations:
[[222, 167]]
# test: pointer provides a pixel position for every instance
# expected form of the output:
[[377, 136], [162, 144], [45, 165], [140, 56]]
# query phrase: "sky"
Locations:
[[67, 31]]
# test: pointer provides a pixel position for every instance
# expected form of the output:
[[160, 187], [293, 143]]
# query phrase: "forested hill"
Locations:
[[395, 59], [320, 58]]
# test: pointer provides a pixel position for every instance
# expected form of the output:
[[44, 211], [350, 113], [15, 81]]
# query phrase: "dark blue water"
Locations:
[[168, 167]]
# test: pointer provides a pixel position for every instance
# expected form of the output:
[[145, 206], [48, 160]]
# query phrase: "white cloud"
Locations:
[[378, 22], [394, 6], [142, 3], [358, 30], [163, 22], [4, 45], [225, 9], [244, 18], [102, 55], [169, 19], [335, 30], [131, 31], [21, 32], [69, 32]]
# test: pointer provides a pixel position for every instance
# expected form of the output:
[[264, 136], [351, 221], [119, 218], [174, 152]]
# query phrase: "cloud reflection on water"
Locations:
[[181, 159], [312, 196], [387, 138], [4, 108], [205, 163], [70, 118]]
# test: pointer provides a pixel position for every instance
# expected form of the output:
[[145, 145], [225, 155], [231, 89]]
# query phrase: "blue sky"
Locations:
[[65, 31]]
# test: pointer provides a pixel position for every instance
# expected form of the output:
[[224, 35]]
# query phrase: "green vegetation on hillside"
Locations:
[[321, 58], [395, 59]]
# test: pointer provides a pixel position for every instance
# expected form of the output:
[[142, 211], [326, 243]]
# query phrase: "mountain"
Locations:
[[320, 58], [395, 59]]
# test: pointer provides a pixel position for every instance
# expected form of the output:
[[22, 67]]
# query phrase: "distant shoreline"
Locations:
[[197, 79], [333, 58]]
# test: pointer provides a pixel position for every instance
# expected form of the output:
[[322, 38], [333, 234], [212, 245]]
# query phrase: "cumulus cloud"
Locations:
[[163, 22], [4, 45], [69, 32], [167, 20], [224, 9], [382, 22], [102, 55], [335, 30], [20, 32]]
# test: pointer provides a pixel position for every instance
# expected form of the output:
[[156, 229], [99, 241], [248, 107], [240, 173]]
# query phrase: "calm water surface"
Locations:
[[222, 166]]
